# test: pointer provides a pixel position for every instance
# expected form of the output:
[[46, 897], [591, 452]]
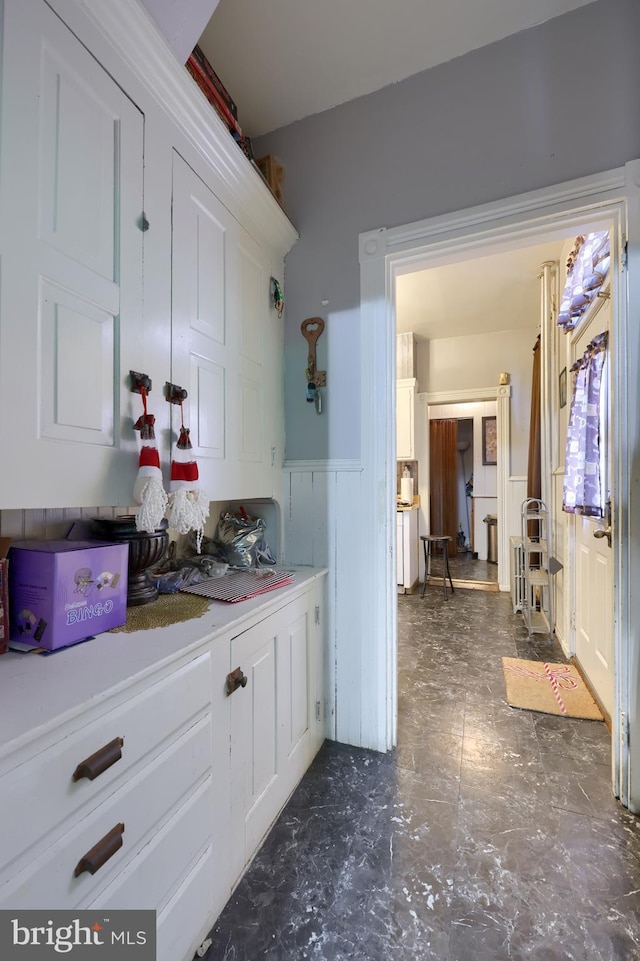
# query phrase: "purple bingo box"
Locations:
[[61, 592]]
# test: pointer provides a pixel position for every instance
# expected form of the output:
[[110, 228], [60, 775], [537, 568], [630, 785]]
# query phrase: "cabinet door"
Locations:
[[400, 549], [220, 340], [71, 282], [405, 401], [271, 722], [411, 548]]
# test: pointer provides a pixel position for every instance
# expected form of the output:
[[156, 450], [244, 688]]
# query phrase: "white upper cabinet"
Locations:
[[71, 247], [220, 328], [201, 355], [92, 98], [405, 419]]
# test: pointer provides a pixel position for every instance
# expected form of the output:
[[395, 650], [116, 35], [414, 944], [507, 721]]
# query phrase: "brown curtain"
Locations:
[[443, 479], [534, 475]]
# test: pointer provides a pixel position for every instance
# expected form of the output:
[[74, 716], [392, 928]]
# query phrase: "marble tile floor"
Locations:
[[463, 567], [488, 834]]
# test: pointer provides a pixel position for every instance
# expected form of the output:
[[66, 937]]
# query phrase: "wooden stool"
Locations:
[[428, 542]]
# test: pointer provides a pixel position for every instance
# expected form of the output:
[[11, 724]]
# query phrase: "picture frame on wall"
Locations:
[[562, 388], [489, 441]]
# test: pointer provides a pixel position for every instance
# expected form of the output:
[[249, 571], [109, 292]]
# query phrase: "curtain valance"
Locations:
[[587, 269]]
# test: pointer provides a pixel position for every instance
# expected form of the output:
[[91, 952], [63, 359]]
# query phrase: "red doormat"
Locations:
[[549, 688]]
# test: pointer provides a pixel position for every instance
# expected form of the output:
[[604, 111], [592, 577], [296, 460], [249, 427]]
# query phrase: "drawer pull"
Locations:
[[235, 680], [92, 766], [100, 853]]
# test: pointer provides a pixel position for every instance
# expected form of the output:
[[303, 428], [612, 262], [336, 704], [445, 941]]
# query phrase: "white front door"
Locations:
[[593, 561]]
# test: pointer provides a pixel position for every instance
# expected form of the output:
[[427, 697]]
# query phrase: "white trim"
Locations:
[[324, 466], [468, 396], [502, 395], [503, 425], [612, 199]]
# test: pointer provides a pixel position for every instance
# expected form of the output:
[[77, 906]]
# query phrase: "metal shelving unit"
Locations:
[[518, 585], [537, 601]]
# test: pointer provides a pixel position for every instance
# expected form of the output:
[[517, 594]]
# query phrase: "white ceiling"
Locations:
[[493, 293], [282, 60]]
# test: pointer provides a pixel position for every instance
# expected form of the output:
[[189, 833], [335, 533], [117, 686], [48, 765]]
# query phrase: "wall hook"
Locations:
[[174, 394], [138, 381]]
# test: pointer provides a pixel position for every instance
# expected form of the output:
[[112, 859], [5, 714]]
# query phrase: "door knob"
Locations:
[[235, 680], [604, 533]]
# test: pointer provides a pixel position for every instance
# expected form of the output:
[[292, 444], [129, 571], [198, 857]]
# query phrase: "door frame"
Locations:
[[610, 199], [501, 395]]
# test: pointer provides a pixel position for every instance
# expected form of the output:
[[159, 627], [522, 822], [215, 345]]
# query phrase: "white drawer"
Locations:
[[142, 806], [154, 875], [40, 794]]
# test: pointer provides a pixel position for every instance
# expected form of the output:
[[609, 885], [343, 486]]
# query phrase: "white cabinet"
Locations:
[[276, 719], [102, 803], [71, 265], [405, 418], [223, 342], [407, 549], [103, 102], [156, 790]]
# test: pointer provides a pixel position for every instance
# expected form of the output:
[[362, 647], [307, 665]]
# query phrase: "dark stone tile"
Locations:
[[527, 922], [489, 833], [574, 737], [492, 769], [574, 785]]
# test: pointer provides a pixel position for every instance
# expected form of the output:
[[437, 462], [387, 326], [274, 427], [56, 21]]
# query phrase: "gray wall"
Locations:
[[499, 121]]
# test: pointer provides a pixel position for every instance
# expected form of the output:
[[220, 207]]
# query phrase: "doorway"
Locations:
[[463, 501], [610, 201]]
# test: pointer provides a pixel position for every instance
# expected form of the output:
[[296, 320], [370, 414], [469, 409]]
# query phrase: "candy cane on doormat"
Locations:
[[554, 685]]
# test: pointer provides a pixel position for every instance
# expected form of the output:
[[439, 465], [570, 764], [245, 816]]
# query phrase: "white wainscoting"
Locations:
[[322, 515], [517, 493], [52, 523]]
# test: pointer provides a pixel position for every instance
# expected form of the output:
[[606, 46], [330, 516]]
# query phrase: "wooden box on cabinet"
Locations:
[[273, 172]]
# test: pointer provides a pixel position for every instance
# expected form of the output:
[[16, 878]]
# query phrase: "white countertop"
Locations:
[[60, 685]]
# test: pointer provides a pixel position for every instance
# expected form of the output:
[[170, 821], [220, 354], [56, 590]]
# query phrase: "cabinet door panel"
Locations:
[[72, 330], [71, 256], [202, 359], [207, 313], [79, 131], [208, 414], [299, 715], [252, 291], [254, 737]]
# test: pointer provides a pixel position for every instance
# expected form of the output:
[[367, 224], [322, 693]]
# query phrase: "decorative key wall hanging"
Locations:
[[311, 329]]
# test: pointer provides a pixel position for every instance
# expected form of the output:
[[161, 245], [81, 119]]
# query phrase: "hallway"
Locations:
[[488, 834]]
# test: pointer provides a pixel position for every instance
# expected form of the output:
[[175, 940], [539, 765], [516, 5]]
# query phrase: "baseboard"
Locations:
[[491, 586]]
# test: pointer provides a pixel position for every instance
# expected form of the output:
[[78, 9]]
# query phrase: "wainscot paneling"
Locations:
[[51, 523], [322, 529]]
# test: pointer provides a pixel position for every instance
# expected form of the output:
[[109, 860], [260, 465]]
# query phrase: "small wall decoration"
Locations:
[[562, 388], [489, 441]]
